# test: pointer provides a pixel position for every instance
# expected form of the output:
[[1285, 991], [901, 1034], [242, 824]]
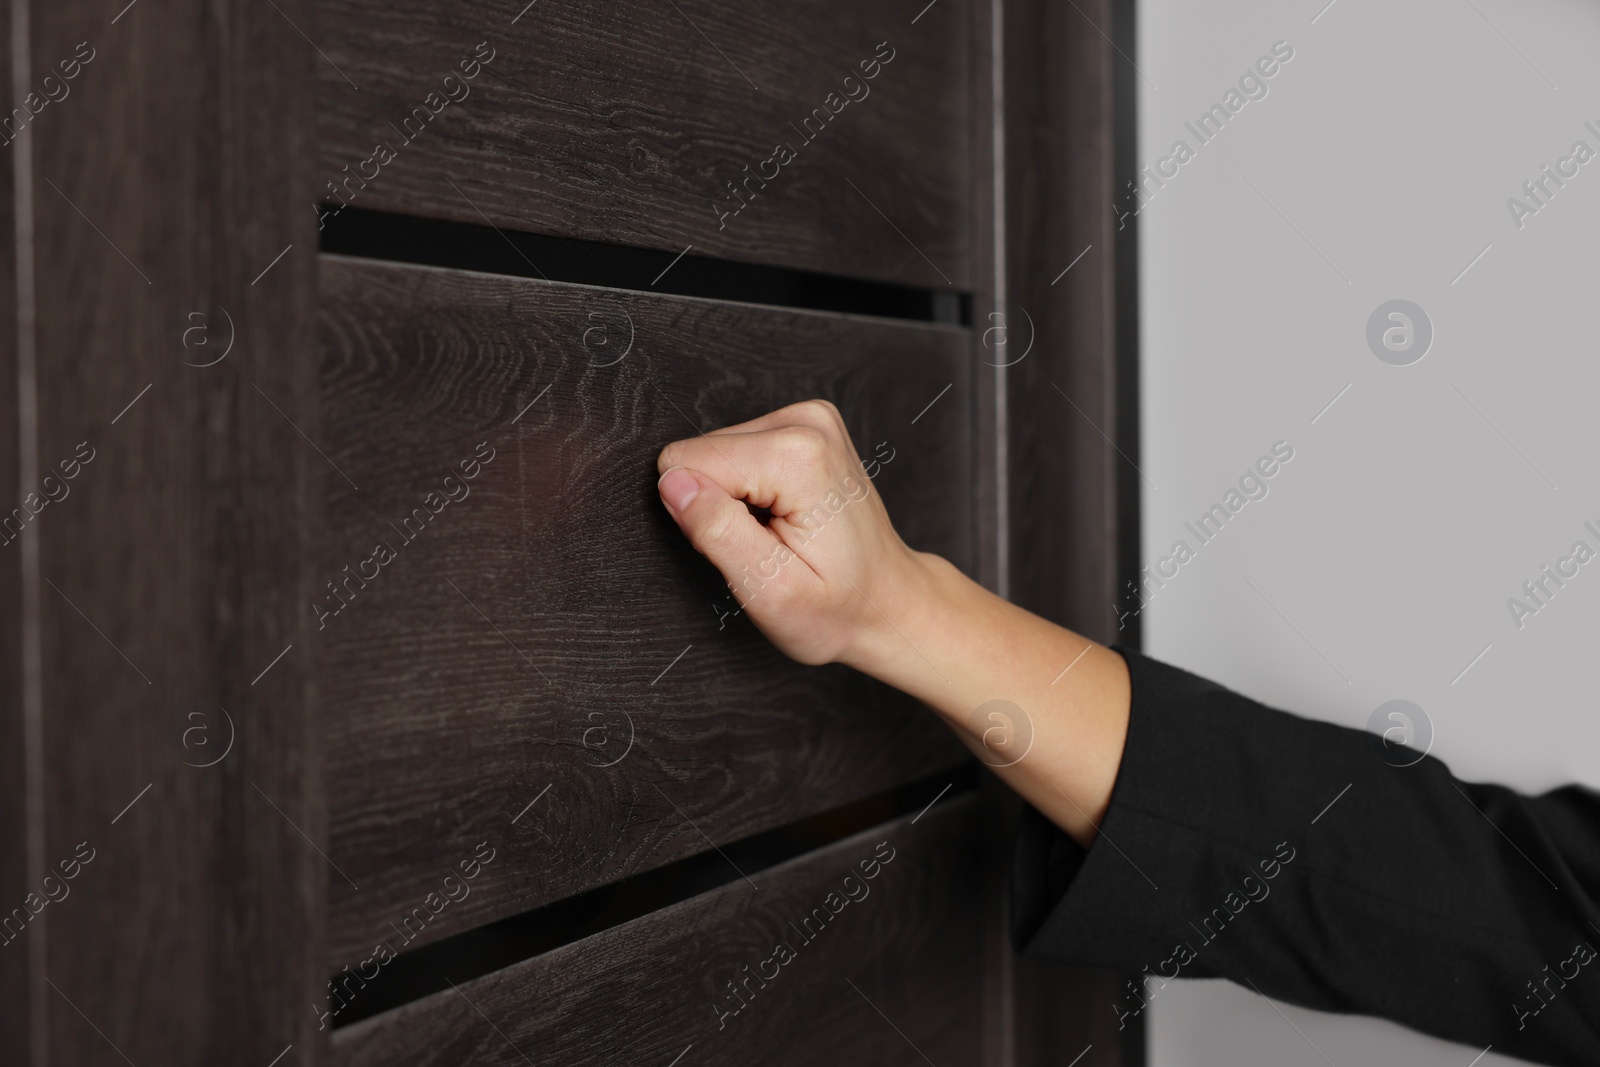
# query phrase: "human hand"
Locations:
[[817, 574]]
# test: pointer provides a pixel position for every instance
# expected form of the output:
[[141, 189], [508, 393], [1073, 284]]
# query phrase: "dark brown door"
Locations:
[[400, 722]]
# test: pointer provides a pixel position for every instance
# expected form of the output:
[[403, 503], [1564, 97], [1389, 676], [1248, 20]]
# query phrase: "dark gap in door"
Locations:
[[495, 946], [460, 246]]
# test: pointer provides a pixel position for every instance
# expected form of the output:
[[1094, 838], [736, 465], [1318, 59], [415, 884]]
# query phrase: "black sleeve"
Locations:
[[1292, 857]]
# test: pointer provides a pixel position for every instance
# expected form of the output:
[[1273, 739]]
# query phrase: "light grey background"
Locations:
[[1381, 161]]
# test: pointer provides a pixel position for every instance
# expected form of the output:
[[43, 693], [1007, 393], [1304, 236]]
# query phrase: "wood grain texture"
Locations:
[[625, 123], [163, 185], [15, 1006], [887, 979], [518, 638]]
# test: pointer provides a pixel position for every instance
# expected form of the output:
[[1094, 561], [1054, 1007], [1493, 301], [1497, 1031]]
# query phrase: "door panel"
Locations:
[[547, 636], [627, 122], [877, 971], [286, 749]]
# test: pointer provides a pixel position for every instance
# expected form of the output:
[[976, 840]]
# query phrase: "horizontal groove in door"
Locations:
[[463, 246], [620, 121], [551, 639], [877, 970], [474, 953]]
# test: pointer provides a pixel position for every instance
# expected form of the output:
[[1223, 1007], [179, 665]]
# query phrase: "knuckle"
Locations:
[[804, 444], [824, 415]]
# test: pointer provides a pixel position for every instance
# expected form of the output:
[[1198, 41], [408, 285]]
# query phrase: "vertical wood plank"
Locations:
[[15, 1031], [1126, 83], [996, 805], [165, 182], [1049, 333], [1064, 392]]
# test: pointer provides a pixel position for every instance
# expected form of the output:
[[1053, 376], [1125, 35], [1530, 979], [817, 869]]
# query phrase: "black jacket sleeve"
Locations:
[[1293, 857]]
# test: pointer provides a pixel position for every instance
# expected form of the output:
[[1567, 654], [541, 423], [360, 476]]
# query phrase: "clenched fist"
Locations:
[[819, 573]]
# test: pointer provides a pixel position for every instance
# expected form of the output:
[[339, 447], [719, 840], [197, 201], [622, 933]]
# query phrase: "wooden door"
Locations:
[[400, 722]]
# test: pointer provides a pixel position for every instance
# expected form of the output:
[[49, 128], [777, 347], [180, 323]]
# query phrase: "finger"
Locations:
[[719, 526], [818, 414], [768, 469]]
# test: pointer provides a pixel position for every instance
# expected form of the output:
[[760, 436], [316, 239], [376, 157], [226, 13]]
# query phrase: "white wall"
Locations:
[[1390, 144]]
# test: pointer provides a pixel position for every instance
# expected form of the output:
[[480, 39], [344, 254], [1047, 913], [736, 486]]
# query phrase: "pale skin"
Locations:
[[847, 589]]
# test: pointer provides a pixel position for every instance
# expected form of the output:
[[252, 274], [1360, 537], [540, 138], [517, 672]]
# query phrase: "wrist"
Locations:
[[901, 615]]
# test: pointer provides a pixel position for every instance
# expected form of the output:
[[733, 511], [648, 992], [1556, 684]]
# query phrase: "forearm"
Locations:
[[956, 647]]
